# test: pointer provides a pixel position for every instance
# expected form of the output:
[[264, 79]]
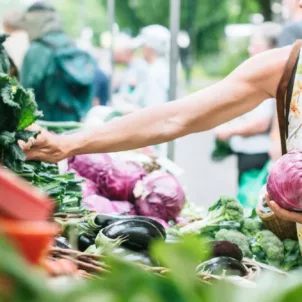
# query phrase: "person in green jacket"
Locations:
[[61, 75]]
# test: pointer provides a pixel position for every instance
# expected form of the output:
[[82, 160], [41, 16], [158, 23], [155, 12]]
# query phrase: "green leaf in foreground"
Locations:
[[182, 258], [29, 108]]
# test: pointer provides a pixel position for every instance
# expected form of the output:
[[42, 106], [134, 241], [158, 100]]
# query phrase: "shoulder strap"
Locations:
[[283, 98]]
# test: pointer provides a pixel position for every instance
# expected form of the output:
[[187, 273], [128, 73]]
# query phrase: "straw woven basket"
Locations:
[[281, 228]]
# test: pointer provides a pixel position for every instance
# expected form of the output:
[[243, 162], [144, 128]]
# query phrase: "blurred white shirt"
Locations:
[[16, 45], [259, 143], [156, 89]]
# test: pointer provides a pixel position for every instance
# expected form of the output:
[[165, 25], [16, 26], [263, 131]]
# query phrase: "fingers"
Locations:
[[284, 214]]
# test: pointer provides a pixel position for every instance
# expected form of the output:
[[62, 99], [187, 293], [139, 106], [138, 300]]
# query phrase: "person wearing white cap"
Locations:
[[155, 43], [135, 74]]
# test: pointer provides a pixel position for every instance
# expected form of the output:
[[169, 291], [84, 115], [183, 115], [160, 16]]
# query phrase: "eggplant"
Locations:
[[223, 265], [104, 220], [84, 242], [136, 234], [227, 249], [62, 243]]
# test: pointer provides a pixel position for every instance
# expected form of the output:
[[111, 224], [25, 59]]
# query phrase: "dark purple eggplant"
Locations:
[[104, 220], [223, 265], [62, 243], [84, 242], [136, 234], [227, 249]]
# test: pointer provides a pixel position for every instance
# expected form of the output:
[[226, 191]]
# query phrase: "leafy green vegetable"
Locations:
[[4, 62], [226, 209], [221, 151], [64, 188], [18, 110], [268, 248], [292, 257], [251, 227], [29, 110], [7, 138]]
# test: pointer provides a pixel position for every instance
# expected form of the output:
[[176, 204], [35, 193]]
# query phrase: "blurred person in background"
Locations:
[[131, 82], [292, 29], [249, 134], [16, 45], [61, 74], [155, 43], [101, 88], [101, 81]]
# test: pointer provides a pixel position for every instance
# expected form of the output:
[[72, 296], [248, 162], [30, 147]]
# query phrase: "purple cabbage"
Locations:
[[117, 180], [159, 195], [102, 205], [89, 165], [284, 184], [124, 207], [89, 188]]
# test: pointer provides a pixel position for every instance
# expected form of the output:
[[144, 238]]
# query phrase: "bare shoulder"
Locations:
[[265, 70]]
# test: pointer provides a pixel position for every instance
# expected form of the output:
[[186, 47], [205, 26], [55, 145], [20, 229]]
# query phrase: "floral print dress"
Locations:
[[294, 140]]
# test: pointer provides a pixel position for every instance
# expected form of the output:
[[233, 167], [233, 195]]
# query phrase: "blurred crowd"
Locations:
[[72, 82], [69, 77]]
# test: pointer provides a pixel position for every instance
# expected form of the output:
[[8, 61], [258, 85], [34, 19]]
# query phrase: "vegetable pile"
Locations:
[[115, 185], [64, 188], [225, 222], [129, 237]]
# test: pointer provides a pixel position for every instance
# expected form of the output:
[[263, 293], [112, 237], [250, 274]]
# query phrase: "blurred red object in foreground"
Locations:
[[32, 239], [24, 211], [19, 200]]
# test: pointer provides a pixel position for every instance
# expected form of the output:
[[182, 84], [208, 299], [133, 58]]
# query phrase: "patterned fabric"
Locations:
[[294, 140]]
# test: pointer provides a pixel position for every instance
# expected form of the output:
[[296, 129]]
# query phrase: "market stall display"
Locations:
[[126, 206]]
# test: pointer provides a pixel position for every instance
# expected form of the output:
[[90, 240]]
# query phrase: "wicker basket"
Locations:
[[252, 267], [281, 228]]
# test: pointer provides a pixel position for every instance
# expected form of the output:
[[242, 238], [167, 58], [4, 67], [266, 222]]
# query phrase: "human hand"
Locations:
[[282, 213], [46, 147]]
